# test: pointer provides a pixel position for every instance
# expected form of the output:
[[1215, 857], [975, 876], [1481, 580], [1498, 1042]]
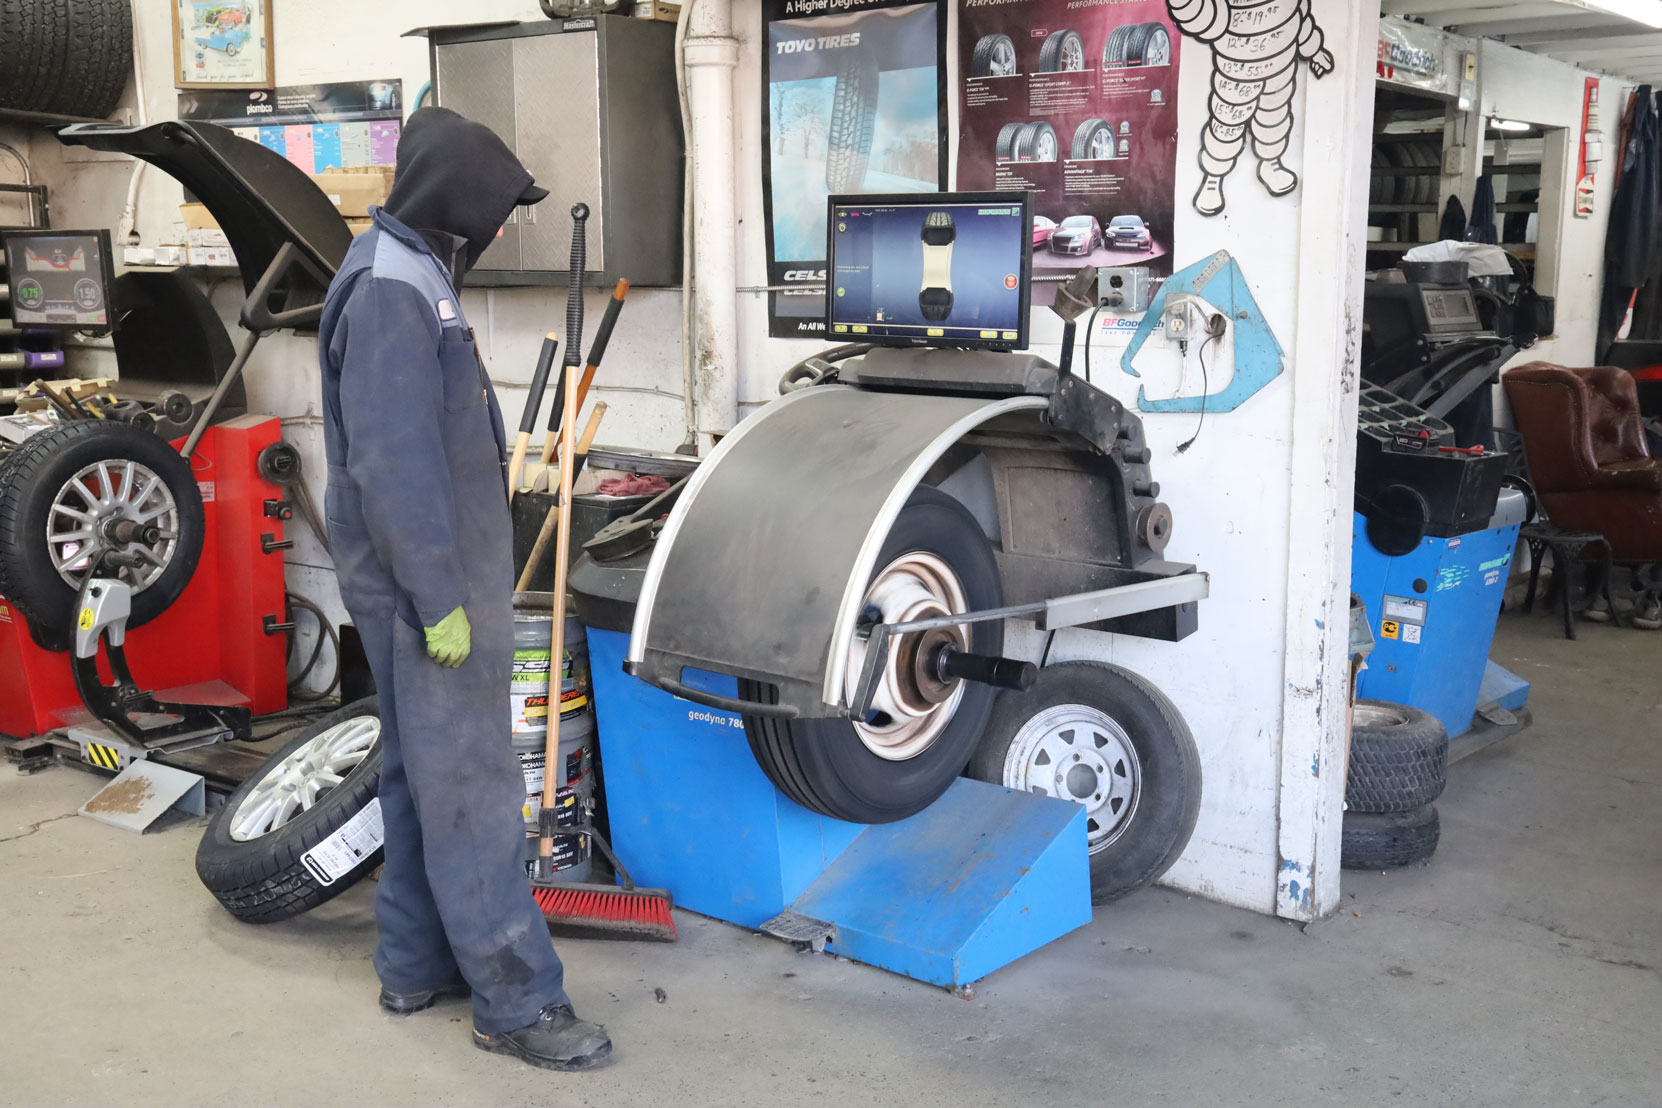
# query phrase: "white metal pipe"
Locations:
[[129, 213], [711, 55]]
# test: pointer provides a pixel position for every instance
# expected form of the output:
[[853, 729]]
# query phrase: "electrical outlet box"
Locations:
[[1124, 290], [1176, 320]]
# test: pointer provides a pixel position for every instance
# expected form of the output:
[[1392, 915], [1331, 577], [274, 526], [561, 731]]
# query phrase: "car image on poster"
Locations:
[[855, 103], [1076, 102]]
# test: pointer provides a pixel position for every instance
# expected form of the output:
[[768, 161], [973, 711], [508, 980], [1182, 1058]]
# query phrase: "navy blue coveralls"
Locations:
[[418, 515]]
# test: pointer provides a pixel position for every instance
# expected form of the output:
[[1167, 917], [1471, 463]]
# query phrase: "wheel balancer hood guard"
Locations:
[[763, 563]]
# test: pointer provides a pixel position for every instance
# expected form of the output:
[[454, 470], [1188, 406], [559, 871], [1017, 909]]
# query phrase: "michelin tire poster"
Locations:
[[1075, 100], [855, 103]]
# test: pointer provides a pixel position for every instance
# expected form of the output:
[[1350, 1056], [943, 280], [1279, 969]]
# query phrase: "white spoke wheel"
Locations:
[[296, 832], [921, 731], [80, 490], [1101, 737]]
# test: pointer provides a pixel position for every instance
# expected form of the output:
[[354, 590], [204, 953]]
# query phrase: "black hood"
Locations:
[[456, 177]]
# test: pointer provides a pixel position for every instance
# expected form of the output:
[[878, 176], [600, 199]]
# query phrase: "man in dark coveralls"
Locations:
[[418, 516]]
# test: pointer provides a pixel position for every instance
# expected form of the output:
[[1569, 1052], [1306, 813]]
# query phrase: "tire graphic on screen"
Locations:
[[1094, 140], [1063, 51], [1036, 142], [853, 118], [935, 297], [994, 56]]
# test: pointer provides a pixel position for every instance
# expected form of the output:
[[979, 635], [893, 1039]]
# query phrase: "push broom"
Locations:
[[624, 909]]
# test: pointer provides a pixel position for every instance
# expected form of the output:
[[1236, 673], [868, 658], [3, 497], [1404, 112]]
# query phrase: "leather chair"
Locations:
[[1587, 454]]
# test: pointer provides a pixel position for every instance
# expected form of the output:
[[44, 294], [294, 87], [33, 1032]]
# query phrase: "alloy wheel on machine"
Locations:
[[912, 705], [113, 506], [1079, 753], [296, 783]]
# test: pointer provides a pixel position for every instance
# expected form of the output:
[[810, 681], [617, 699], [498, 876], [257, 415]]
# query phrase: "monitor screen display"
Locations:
[[932, 269], [60, 279]]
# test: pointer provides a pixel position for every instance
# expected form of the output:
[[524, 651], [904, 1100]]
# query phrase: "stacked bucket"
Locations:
[[531, 697]]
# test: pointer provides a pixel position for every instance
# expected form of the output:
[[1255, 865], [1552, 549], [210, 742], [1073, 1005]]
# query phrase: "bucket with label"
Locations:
[[574, 791], [530, 684]]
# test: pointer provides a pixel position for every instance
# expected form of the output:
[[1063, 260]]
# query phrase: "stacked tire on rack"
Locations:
[[65, 57], [1398, 762]]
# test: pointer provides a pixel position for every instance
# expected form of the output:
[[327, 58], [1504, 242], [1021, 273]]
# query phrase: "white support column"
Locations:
[[712, 55], [1338, 117]]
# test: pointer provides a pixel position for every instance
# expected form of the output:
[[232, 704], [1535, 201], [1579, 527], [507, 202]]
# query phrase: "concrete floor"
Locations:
[[1523, 966]]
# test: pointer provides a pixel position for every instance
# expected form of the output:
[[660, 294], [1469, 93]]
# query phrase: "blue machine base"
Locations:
[[1502, 686], [980, 878]]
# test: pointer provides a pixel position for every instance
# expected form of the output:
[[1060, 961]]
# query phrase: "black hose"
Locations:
[[326, 630]]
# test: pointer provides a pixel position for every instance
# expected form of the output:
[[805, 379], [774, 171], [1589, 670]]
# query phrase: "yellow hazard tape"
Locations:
[[105, 756]]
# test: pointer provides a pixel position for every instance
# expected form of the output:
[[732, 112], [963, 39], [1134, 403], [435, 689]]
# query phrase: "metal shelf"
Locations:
[[1403, 209]]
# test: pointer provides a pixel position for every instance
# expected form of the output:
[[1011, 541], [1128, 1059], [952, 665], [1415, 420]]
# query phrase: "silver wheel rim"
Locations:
[[1004, 59], [1079, 753], [1046, 146], [1376, 717], [1073, 54], [295, 784], [89, 507], [1102, 143], [1158, 51], [910, 708]]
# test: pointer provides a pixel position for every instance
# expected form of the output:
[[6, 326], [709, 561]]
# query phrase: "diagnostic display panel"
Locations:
[[60, 279]]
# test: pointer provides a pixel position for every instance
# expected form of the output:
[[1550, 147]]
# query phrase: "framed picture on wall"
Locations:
[[222, 44]]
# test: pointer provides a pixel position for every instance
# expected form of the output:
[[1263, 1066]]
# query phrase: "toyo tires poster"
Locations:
[[1077, 101], [855, 102]]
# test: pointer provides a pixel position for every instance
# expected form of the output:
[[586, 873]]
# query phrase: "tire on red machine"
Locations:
[[1105, 738], [832, 766], [255, 859], [39, 500]]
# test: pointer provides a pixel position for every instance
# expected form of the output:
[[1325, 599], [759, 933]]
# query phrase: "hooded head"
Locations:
[[456, 177]]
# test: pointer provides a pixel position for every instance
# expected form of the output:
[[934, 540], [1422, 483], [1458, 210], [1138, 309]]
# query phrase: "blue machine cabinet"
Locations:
[[980, 878], [1433, 614]]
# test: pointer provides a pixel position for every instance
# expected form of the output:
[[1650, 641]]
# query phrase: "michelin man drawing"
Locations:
[[1256, 46]]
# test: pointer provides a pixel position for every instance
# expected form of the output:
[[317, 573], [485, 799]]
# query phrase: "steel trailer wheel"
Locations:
[[1095, 139], [86, 488], [254, 855], [1106, 739], [1389, 840], [920, 731], [1063, 52], [994, 56], [1398, 758]]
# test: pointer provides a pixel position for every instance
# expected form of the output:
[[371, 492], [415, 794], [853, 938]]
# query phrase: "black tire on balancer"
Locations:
[[265, 879], [822, 764], [1398, 758]]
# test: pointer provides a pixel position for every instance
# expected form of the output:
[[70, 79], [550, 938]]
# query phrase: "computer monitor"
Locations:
[[930, 269], [60, 279]]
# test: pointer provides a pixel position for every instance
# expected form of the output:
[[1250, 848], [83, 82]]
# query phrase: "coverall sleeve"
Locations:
[[392, 412]]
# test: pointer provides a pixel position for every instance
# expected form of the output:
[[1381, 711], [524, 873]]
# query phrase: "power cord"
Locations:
[[1090, 333], [1214, 332], [325, 633]]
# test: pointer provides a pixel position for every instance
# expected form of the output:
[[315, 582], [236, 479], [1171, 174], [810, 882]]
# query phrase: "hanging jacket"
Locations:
[[1482, 225], [1630, 244], [1453, 223]]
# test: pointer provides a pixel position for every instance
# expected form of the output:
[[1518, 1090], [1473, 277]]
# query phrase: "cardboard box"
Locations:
[[196, 217], [359, 226], [353, 191], [212, 256], [172, 255], [661, 10], [138, 255]]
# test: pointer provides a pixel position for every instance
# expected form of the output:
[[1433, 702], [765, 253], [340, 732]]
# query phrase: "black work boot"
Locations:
[[402, 1004], [558, 1040]]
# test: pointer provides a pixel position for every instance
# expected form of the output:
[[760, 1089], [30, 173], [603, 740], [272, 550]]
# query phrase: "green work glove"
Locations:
[[450, 639]]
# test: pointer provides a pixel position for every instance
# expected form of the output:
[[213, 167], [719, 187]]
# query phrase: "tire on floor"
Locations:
[[262, 863], [1389, 840], [1398, 758], [1105, 738]]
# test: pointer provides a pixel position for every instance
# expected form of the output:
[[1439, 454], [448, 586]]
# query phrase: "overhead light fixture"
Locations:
[[1508, 125], [1648, 12]]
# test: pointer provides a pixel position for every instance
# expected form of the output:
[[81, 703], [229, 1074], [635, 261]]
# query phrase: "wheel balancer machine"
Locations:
[[761, 612]]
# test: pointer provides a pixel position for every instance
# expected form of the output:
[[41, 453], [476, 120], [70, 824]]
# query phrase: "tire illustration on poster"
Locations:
[[1254, 76], [854, 102], [1084, 115]]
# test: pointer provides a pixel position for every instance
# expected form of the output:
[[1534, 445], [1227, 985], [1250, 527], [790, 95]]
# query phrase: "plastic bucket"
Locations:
[[530, 683], [574, 784]]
